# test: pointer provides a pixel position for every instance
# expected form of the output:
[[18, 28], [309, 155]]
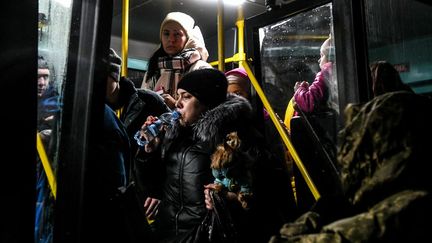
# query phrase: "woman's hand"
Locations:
[[153, 142], [169, 100], [216, 187], [207, 197], [151, 205]]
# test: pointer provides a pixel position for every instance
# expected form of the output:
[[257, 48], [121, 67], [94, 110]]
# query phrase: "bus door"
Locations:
[[286, 44], [73, 39]]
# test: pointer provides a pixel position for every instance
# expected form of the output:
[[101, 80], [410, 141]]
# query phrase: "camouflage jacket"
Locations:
[[383, 157]]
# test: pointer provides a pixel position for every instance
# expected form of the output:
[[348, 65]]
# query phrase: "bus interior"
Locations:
[[278, 42]]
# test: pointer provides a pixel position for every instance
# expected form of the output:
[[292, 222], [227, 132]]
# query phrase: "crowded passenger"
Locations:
[[385, 78], [182, 50], [387, 189], [311, 119], [238, 82], [277, 167], [135, 106], [186, 155], [48, 108], [112, 203], [208, 115], [322, 93], [48, 99], [318, 101]]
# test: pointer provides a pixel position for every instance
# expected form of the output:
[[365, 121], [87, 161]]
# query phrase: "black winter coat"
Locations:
[[187, 165], [187, 154], [137, 105]]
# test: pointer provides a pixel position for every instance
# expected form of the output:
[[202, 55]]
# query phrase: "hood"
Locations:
[[385, 147], [196, 41]]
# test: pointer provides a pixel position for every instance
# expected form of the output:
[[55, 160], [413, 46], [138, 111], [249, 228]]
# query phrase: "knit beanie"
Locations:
[[241, 72], [114, 62], [208, 85], [184, 20]]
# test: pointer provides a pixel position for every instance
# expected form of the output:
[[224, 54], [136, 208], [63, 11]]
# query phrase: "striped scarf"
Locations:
[[173, 69]]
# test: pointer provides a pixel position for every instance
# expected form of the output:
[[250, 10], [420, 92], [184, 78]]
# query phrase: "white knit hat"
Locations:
[[184, 20]]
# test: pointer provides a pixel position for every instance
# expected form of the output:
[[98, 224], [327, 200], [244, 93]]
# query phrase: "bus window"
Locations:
[[298, 48], [403, 37], [53, 31], [290, 53]]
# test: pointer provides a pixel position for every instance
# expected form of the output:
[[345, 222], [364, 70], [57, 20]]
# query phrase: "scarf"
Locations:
[[173, 69]]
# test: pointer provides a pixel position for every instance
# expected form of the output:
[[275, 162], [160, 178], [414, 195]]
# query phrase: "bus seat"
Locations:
[[314, 138]]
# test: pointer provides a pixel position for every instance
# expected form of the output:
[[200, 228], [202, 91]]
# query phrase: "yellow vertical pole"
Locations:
[[240, 35], [125, 43], [46, 165], [125, 37], [221, 38]]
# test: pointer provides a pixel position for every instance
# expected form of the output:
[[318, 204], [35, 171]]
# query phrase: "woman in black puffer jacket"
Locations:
[[188, 150], [186, 158]]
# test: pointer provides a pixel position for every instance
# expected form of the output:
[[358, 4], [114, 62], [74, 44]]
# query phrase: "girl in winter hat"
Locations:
[[182, 50]]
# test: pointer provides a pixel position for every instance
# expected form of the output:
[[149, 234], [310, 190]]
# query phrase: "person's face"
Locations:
[[235, 86], [324, 51], [173, 38], [189, 107], [322, 60], [111, 86], [43, 81]]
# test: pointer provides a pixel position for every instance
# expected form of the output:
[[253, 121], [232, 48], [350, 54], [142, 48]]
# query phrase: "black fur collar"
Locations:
[[232, 115], [235, 114]]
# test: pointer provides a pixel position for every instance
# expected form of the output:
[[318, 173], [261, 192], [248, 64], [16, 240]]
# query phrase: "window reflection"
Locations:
[[53, 29], [403, 37]]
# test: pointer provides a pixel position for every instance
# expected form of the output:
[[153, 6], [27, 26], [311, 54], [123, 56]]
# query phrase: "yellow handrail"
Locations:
[[124, 44], [241, 58], [282, 132], [125, 37], [46, 165], [221, 39]]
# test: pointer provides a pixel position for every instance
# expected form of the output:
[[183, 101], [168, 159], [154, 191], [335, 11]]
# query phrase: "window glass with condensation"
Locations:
[[291, 52], [400, 33], [53, 43]]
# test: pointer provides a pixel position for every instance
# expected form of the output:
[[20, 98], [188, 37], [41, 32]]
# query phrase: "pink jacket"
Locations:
[[309, 97]]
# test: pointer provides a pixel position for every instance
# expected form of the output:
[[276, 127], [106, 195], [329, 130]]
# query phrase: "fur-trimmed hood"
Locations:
[[235, 114]]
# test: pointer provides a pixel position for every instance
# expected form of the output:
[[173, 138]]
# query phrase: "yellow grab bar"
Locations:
[[281, 131], [46, 165]]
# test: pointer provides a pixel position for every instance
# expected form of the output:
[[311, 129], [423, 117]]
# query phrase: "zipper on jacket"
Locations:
[[181, 188]]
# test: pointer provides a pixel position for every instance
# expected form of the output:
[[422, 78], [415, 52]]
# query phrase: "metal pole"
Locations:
[[125, 37], [221, 39]]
